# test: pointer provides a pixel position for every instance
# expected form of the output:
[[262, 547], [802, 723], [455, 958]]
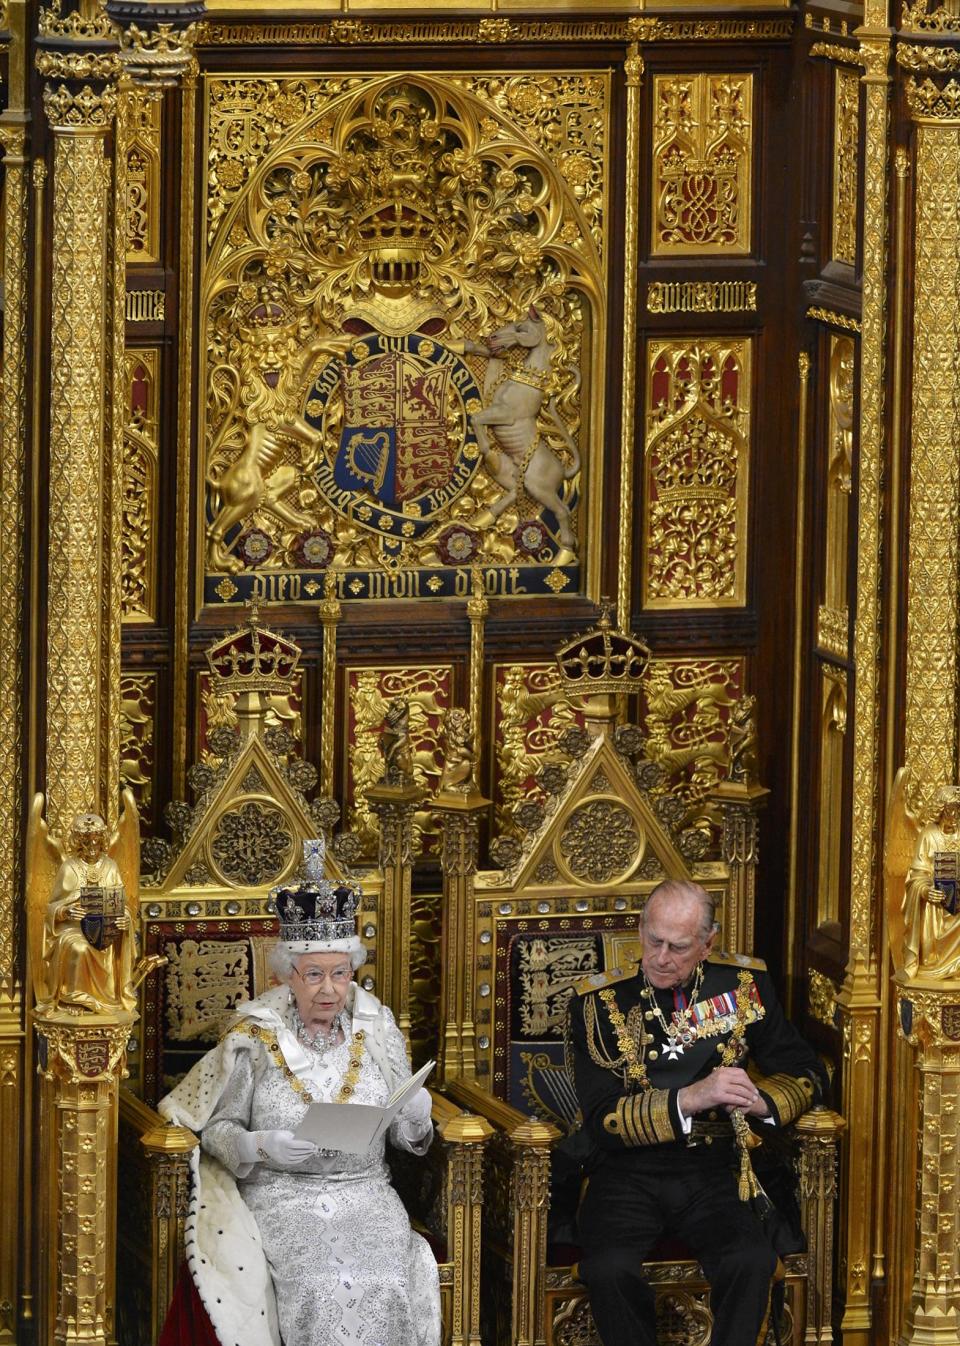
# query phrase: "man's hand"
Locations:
[[725, 1087]]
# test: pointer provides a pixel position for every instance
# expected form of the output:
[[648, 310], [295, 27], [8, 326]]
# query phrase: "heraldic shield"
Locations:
[[394, 443]]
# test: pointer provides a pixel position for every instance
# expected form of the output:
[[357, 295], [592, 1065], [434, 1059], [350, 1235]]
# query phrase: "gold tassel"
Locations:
[[748, 1186]]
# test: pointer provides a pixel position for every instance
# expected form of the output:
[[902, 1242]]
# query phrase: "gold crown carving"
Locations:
[[602, 660], [696, 461], [253, 659]]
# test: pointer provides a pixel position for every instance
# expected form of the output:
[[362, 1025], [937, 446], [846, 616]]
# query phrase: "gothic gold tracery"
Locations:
[[696, 471], [702, 151]]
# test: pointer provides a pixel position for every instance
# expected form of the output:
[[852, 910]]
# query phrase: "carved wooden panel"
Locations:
[[696, 473], [140, 485], [530, 714], [702, 163], [370, 691]]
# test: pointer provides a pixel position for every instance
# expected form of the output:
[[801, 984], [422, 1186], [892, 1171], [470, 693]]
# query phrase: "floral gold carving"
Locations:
[[929, 99], [251, 844], [833, 51], [940, 59], [87, 20], [140, 471], [833, 319], [138, 704], [371, 693], [702, 296], [696, 468], [822, 997], [85, 107], [846, 140], [702, 171], [143, 176], [304, 179], [13, 490], [921, 18], [930, 741], [600, 842], [83, 602], [531, 714]]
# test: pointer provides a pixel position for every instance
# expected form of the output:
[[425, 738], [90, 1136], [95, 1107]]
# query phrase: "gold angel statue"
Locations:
[[921, 885], [82, 905]]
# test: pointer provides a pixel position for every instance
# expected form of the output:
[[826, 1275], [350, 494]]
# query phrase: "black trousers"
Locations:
[[633, 1201]]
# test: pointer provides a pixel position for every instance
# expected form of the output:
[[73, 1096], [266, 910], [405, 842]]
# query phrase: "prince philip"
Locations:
[[669, 1060]]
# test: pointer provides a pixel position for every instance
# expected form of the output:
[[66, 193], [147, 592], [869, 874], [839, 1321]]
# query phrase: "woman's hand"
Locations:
[[416, 1111], [276, 1147]]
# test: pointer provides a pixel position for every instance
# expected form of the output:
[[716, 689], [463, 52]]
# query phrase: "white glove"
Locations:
[[277, 1147], [416, 1112]]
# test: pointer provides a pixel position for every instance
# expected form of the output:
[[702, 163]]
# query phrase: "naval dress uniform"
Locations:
[[655, 1174]]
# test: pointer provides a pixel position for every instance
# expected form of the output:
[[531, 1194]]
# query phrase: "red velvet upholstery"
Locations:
[[186, 1323]]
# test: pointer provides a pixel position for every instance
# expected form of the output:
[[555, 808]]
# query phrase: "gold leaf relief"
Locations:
[[143, 149], [687, 704], [371, 690], [401, 206], [140, 468], [846, 140], [138, 704], [702, 169], [696, 473], [218, 710], [531, 714]]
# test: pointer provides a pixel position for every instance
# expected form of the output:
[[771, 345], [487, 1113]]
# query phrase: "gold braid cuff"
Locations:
[[642, 1119], [269, 1040], [790, 1095]]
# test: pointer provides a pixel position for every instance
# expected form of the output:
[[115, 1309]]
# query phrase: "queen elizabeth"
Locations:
[[285, 1241]]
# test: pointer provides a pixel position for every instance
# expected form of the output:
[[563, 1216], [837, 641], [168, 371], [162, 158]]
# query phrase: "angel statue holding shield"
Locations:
[[922, 881], [82, 904]]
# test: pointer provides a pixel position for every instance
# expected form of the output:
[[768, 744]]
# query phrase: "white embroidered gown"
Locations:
[[347, 1268]]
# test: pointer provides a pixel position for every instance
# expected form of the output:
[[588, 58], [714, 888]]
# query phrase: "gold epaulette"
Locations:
[[598, 980], [737, 960]]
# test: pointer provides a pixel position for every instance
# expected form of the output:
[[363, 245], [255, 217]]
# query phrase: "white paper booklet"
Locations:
[[354, 1127]]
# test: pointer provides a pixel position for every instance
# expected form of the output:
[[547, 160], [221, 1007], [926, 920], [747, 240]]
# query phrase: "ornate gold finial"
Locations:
[[604, 660]]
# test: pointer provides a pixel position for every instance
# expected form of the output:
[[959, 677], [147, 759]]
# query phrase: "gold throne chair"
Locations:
[[204, 907], [564, 902]]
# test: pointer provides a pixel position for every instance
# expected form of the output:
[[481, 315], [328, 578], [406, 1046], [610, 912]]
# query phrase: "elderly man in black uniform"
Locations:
[[663, 1054]]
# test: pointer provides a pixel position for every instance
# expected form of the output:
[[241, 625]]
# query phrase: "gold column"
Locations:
[[740, 804], [13, 394], [478, 606], [465, 1137], [330, 614], [81, 1058], [85, 476], [395, 806], [460, 823], [818, 1131], [858, 1000], [633, 70], [933, 583], [930, 1022], [530, 1202]]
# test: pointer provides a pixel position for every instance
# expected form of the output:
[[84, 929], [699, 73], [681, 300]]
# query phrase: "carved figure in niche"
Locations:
[[82, 906], [921, 881], [460, 758], [395, 743], [743, 741], [523, 462]]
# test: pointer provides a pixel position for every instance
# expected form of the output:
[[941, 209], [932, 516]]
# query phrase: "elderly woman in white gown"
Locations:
[[286, 1241]]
